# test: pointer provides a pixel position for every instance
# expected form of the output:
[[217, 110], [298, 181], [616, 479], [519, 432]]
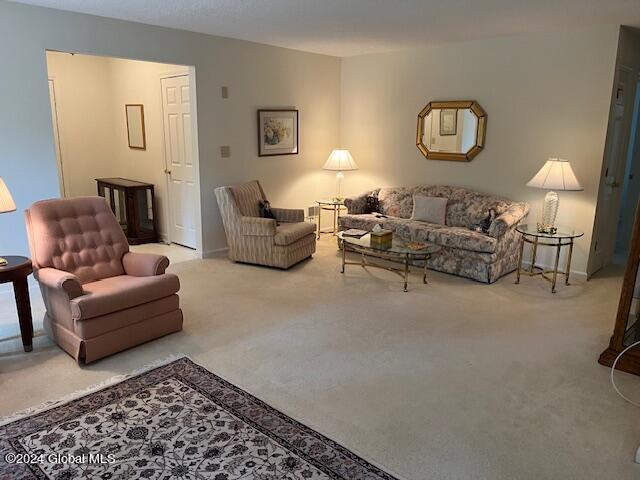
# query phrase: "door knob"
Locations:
[[168, 172]]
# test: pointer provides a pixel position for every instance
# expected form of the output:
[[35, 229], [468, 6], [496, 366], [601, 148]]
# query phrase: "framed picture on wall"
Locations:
[[277, 132], [135, 126], [448, 121]]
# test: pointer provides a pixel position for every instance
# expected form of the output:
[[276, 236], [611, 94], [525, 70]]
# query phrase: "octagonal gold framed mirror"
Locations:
[[451, 130]]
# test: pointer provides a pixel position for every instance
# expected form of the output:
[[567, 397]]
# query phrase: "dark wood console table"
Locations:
[[17, 270], [134, 205]]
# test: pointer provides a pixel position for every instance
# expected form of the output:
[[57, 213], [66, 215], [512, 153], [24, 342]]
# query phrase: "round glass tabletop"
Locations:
[[562, 232], [398, 246], [328, 201]]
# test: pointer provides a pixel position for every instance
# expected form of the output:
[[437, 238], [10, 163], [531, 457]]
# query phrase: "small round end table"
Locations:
[[335, 206], [564, 237], [17, 270]]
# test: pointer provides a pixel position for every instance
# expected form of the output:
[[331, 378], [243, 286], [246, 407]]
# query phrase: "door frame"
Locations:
[[191, 73], [596, 263], [56, 132]]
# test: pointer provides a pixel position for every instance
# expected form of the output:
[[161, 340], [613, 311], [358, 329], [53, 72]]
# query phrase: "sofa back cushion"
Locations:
[[465, 207], [248, 197], [77, 235]]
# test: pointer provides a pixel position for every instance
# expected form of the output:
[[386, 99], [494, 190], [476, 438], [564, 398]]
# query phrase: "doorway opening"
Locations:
[[117, 118]]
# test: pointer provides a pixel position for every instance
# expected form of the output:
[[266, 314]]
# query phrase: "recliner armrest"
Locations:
[[60, 280], [258, 226], [288, 215], [144, 264]]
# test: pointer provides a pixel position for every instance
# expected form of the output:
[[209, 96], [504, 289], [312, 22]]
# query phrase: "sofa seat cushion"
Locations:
[[288, 233], [453, 237], [121, 292]]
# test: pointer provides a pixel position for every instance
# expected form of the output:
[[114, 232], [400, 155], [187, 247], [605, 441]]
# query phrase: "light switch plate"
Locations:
[[225, 151]]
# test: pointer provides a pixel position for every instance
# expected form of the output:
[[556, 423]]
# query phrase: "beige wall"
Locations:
[[83, 90], [257, 76], [545, 95]]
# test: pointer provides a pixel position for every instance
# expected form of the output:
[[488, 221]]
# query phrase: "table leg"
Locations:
[[21, 292], [406, 272], [520, 259], [424, 273], [335, 221], [568, 270], [555, 267], [319, 223], [344, 255], [533, 255]]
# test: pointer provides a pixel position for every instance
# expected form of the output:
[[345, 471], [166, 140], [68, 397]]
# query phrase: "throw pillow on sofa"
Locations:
[[429, 209]]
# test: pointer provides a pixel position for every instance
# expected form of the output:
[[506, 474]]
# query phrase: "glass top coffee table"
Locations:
[[398, 252]]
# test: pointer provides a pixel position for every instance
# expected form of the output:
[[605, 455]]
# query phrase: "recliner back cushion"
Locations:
[[77, 235], [248, 197], [464, 207]]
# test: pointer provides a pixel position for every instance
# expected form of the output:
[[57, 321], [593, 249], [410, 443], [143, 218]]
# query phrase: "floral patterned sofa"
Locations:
[[484, 257]]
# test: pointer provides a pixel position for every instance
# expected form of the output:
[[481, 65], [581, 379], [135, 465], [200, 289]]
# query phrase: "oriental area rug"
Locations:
[[176, 421]]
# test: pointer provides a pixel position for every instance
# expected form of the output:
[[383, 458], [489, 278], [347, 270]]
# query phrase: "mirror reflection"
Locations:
[[450, 130]]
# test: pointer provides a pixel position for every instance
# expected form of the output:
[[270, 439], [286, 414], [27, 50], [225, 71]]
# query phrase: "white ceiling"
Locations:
[[351, 27]]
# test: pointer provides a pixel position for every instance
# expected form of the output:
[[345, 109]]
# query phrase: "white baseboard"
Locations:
[[213, 253]]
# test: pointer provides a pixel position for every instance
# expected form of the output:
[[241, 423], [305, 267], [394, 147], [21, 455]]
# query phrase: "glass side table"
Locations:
[[335, 206], [564, 237]]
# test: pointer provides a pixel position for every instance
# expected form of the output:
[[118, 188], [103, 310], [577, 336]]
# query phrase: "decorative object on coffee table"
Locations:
[[6, 205], [334, 206], [277, 132], [340, 161], [17, 270], [562, 237], [134, 205], [626, 331], [555, 174], [179, 421], [401, 251]]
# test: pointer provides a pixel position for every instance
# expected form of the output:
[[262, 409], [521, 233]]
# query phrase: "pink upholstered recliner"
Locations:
[[100, 297]]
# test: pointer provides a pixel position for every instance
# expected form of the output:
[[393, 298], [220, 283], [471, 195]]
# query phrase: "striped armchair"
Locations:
[[264, 241]]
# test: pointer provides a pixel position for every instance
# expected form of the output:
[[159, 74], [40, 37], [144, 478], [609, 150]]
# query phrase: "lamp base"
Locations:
[[3, 261], [549, 212]]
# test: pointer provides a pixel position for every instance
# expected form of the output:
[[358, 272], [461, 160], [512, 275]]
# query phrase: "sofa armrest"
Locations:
[[60, 280], [509, 219], [257, 226], [288, 215], [144, 264], [357, 205]]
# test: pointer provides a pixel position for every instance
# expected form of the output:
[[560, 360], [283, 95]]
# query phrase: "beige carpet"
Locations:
[[454, 380]]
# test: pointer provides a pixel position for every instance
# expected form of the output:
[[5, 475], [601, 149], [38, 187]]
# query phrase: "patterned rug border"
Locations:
[[80, 395]]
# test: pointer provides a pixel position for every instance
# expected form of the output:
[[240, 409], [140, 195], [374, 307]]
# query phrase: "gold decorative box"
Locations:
[[382, 239]]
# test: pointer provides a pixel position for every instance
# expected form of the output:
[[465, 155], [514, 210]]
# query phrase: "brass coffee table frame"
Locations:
[[563, 240], [404, 258]]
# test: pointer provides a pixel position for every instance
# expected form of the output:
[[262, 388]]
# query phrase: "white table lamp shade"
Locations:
[[340, 160], [6, 200], [556, 174]]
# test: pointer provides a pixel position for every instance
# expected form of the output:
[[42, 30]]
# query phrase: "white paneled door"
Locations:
[[180, 170]]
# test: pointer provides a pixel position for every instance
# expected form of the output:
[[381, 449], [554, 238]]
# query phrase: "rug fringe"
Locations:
[[93, 388]]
